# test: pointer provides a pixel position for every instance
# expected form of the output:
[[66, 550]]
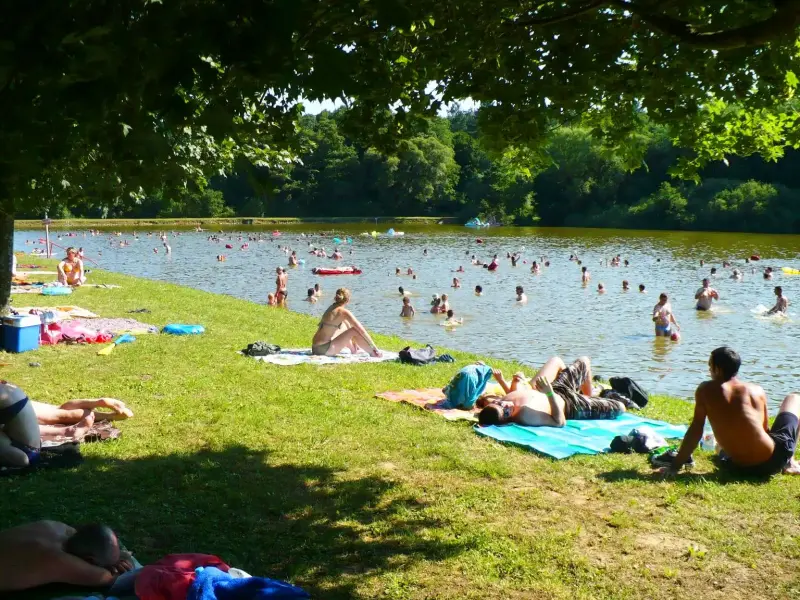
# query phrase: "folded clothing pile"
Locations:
[[261, 349], [423, 356]]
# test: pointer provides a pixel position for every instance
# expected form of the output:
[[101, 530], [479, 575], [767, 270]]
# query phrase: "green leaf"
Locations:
[[402, 60], [432, 21], [126, 129]]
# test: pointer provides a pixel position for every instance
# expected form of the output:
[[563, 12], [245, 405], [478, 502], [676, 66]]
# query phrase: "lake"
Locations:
[[561, 316]]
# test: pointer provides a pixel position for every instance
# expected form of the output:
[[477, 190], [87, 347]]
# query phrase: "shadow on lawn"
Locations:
[[718, 476], [302, 523]]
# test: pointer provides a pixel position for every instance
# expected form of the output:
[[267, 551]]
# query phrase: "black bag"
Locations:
[[628, 387], [261, 349], [419, 357]]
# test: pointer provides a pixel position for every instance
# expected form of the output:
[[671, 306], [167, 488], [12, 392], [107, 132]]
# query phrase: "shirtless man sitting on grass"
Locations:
[[45, 552], [737, 412], [562, 392]]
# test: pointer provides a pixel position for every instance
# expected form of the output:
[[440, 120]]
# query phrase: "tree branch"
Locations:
[[565, 16], [785, 20]]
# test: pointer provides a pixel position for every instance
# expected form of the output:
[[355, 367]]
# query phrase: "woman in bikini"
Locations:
[[70, 270], [331, 337]]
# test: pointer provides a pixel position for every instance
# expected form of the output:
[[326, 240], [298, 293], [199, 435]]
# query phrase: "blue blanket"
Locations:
[[213, 584], [577, 437]]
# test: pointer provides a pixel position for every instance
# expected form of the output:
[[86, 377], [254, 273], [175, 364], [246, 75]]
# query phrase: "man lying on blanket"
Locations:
[[561, 393]]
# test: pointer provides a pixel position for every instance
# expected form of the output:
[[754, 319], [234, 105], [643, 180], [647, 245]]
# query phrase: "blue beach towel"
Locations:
[[577, 437], [213, 584], [465, 388]]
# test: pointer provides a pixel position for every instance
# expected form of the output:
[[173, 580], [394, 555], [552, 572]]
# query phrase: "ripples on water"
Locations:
[[561, 317]]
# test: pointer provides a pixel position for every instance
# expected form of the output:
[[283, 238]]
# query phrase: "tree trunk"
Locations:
[[6, 254]]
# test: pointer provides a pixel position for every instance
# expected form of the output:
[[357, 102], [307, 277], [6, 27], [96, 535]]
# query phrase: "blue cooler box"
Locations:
[[21, 334]]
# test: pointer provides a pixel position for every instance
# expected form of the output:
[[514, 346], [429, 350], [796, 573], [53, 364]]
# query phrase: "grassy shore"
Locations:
[[299, 473], [227, 222]]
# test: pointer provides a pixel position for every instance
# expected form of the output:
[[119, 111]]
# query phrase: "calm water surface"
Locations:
[[561, 317]]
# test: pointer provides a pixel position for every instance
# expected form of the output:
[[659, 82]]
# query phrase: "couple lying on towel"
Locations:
[[562, 392], [25, 423]]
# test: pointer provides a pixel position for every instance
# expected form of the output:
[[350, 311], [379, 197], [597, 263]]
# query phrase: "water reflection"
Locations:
[[561, 316]]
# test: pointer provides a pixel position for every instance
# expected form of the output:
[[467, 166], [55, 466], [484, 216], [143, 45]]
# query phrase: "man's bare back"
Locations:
[[33, 554], [737, 412]]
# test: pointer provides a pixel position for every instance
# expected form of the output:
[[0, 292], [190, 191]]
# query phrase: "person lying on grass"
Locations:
[[737, 412], [20, 433], [45, 552], [561, 393], [74, 411]]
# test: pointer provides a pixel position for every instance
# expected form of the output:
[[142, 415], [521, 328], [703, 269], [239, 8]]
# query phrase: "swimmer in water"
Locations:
[[311, 297], [663, 317], [601, 289], [713, 271], [494, 264], [397, 271], [460, 269], [451, 320], [407, 310], [410, 271], [626, 263], [585, 275], [317, 290], [403, 292], [336, 255], [642, 289], [702, 262], [705, 296], [456, 283], [625, 286], [167, 248], [293, 259], [270, 299], [478, 290], [767, 273], [445, 305], [781, 305], [535, 268], [435, 306], [521, 297], [737, 275]]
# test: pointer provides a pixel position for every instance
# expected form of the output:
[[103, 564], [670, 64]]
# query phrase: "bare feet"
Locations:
[[793, 468], [82, 427], [120, 410]]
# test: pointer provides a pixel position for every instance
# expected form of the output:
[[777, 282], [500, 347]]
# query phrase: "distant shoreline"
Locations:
[[229, 221]]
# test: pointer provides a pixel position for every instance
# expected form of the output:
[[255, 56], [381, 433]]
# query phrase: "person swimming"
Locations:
[[642, 289], [311, 297], [478, 290], [317, 290], [521, 297], [585, 275], [270, 299], [460, 269], [535, 269], [625, 285], [407, 311], [436, 305], [445, 304], [494, 264], [451, 320], [402, 291], [663, 317], [601, 289], [456, 282]]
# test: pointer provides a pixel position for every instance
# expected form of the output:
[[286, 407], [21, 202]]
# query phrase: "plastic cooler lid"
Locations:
[[23, 321]]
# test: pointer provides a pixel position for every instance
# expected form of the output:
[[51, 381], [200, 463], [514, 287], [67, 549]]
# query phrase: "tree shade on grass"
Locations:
[[299, 473]]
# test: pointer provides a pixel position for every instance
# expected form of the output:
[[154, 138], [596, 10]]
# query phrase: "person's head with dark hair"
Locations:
[[310, 292], [490, 415], [724, 363], [641, 287], [778, 291], [96, 544], [450, 314]]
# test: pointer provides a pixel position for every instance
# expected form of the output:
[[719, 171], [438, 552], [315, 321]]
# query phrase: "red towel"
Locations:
[[171, 577]]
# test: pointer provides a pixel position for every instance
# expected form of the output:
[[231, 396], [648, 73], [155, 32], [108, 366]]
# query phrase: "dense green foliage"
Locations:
[[445, 170]]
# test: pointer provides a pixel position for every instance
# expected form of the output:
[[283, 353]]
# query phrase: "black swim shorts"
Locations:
[[784, 433], [577, 406]]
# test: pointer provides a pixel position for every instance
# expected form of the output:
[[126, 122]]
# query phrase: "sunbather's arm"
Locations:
[[556, 407], [692, 438], [498, 376], [71, 569]]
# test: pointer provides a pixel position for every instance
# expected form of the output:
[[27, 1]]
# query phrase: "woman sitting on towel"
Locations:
[[70, 270], [331, 338]]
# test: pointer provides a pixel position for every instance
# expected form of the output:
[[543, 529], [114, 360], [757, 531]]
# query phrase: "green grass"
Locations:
[[299, 473]]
